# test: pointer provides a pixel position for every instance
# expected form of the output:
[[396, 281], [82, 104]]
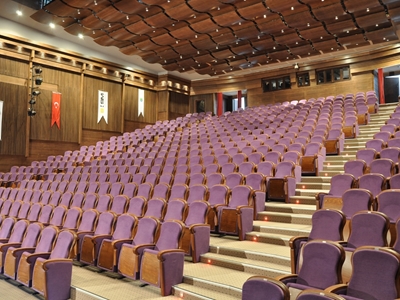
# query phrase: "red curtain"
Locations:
[[381, 87], [239, 96]]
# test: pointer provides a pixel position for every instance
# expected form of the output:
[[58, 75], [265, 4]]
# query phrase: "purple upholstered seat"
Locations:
[[320, 266], [237, 217], [327, 224], [339, 184], [355, 167], [55, 267], [375, 275], [170, 272], [130, 252], [261, 287]]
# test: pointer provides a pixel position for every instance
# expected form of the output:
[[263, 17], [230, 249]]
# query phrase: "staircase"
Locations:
[[229, 263]]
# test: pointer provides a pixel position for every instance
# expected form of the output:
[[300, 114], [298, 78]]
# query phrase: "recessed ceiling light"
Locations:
[[52, 25], [80, 36], [19, 13]]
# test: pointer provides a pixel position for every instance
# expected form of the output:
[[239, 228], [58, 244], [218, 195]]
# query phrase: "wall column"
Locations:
[[239, 97], [381, 86], [219, 103]]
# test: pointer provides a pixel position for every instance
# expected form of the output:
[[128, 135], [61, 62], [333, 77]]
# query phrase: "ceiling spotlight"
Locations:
[[296, 66], [35, 93], [32, 101], [80, 36], [52, 25], [19, 13]]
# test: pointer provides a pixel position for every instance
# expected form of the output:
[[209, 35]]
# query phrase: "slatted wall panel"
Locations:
[[91, 86], [68, 84]]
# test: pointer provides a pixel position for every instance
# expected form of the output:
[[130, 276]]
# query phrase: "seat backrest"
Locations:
[[257, 181], [31, 235], [105, 223], [355, 167], [161, 191], [273, 156], [376, 144], [368, 228], [170, 235], [124, 227], [179, 191], [65, 241], [197, 213], [146, 230], [388, 203], [261, 287], [155, 208], [234, 179], [130, 189], [46, 239], [340, 183], [315, 294], [392, 153], [327, 224], [145, 190], [284, 168], [104, 202], [197, 192], [18, 231], [375, 274], [241, 195], [58, 216], [176, 209], [355, 200], [372, 182], [382, 166], [312, 148], [88, 220], [119, 204], [321, 264], [72, 218], [367, 155], [218, 194]]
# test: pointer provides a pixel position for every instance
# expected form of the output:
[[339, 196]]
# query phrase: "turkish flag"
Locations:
[[55, 109]]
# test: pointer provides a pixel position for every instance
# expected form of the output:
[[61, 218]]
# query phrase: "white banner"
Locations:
[[103, 106], [140, 102], [1, 116]]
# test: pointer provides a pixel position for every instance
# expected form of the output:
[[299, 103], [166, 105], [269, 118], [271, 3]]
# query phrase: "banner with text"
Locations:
[[55, 109], [103, 106], [140, 102]]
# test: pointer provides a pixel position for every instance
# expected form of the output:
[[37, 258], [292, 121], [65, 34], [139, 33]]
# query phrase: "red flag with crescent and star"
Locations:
[[55, 109]]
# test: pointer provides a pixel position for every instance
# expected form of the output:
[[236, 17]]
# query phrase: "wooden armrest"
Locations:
[[286, 277], [335, 288], [45, 263], [161, 253]]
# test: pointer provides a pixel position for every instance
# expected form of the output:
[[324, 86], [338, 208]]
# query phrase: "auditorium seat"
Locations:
[[261, 287]]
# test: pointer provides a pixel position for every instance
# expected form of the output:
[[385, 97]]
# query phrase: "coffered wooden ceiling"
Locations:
[[220, 36]]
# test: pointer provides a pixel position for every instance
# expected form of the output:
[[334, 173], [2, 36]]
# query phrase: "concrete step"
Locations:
[[340, 157], [313, 179], [335, 163], [308, 200], [310, 192], [285, 217], [256, 267], [280, 228], [330, 173], [189, 291], [268, 238], [226, 282], [289, 208], [314, 185]]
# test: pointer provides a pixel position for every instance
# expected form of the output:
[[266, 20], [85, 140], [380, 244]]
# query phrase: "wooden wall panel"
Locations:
[[359, 82], [14, 118], [40, 150], [68, 84], [91, 87], [208, 101], [163, 105], [12, 67], [131, 105], [178, 105], [91, 137]]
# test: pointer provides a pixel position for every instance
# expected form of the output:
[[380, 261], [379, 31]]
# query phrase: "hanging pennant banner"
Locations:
[[55, 109], [140, 102], [1, 116], [103, 106]]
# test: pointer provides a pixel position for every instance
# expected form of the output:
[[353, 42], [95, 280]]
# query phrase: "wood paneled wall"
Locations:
[[178, 105], [131, 106]]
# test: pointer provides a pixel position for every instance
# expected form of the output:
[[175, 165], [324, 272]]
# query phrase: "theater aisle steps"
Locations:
[[334, 164], [223, 270]]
